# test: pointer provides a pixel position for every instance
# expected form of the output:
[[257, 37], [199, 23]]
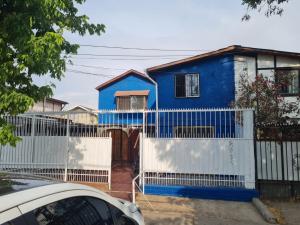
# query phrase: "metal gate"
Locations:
[[278, 168]]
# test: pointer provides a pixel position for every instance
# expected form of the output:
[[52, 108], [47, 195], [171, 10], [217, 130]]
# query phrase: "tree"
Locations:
[[32, 44], [265, 96], [271, 7]]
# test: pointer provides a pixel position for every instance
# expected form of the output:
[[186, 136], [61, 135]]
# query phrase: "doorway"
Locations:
[[120, 147]]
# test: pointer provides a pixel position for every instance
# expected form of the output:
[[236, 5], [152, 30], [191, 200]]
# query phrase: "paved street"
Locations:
[[170, 210]]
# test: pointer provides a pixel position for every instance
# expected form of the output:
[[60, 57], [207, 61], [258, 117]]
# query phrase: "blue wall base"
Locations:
[[215, 193]]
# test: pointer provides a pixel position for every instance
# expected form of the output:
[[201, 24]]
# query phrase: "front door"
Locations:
[[120, 151]]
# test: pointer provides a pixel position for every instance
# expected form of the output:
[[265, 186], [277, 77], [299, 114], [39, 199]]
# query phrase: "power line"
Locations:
[[97, 67], [88, 73], [146, 49], [113, 55], [120, 59]]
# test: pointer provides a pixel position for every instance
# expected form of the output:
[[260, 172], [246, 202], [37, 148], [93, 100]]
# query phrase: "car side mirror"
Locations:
[[133, 207]]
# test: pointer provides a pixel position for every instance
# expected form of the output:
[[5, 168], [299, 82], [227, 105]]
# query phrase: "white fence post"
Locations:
[[67, 148], [142, 136], [248, 124], [141, 156], [33, 137], [109, 171]]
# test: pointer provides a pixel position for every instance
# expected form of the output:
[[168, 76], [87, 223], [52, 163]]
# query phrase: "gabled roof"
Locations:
[[121, 76], [234, 49], [84, 108]]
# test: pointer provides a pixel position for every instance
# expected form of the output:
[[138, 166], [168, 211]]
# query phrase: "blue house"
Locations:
[[211, 80], [207, 80]]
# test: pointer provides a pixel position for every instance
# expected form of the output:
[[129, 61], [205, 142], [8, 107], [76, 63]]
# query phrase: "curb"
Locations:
[[264, 211]]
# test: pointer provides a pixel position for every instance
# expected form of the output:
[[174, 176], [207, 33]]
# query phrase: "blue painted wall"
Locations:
[[107, 99], [216, 193], [216, 84], [131, 82]]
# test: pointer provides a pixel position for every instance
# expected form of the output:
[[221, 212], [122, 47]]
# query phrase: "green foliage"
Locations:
[[32, 44], [270, 7], [264, 96]]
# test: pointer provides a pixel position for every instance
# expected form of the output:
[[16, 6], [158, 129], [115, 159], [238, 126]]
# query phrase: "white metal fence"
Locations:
[[199, 162], [204, 148], [182, 123], [197, 147], [61, 145]]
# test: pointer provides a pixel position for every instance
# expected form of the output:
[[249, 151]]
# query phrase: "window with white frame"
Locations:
[[285, 70], [187, 85], [131, 102]]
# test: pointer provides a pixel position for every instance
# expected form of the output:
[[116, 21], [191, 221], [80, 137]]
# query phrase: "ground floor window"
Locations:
[[194, 131]]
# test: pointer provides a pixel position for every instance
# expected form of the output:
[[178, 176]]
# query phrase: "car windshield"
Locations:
[[12, 183]]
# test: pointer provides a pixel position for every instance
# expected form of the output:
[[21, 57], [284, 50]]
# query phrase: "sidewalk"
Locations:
[[173, 211], [289, 211]]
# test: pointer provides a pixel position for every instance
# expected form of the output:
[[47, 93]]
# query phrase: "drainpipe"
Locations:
[[156, 100]]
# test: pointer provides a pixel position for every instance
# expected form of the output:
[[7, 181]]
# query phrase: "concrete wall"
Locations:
[[201, 156], [51, 152]]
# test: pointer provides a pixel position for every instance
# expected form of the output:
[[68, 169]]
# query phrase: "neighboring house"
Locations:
[[48, 105], [83, 115]]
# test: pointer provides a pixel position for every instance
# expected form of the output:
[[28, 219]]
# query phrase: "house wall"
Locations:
[[82, 116], [258, 64], [216, 84], [46, 106], [107, 99]]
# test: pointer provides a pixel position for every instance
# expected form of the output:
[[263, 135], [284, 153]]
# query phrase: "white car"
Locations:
[[33, 201]]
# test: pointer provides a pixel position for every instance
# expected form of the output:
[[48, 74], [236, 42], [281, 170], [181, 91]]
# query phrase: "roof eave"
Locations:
[[234, 49], [107, 83]]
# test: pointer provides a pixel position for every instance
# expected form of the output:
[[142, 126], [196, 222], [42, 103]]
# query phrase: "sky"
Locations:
[[169, 24]]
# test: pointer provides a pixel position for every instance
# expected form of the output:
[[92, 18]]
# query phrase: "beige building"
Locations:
[[83, 115], [48, 105]]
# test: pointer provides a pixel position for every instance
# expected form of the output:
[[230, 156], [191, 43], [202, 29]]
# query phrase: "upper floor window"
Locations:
[[289, 80], [131, 102], [187, 85], [285, 70]]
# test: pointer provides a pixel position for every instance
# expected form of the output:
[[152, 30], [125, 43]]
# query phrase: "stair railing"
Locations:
[[135, 184]]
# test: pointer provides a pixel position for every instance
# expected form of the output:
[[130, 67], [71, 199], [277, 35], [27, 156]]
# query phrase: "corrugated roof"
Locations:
[[131, 93]]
